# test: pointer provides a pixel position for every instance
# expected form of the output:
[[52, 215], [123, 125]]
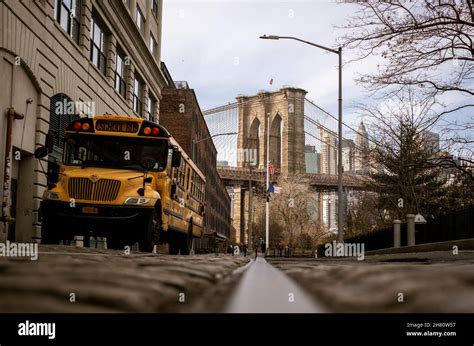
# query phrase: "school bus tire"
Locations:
[[173, 242], [49, 232], [149, 235], [187, 240]]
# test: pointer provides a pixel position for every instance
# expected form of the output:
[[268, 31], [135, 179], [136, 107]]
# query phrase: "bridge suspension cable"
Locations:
[[225, 119]]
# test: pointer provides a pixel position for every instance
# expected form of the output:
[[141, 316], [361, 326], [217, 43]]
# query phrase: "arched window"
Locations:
[[62, 112]]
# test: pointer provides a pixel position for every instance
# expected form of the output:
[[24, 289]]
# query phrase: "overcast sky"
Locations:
[[214, 45]]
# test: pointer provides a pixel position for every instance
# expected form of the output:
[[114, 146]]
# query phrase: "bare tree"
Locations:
[[423, 44], [406, 172], [294, 218], [297, 209], [363, 215]]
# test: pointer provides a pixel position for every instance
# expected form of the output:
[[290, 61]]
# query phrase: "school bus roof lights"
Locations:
[[150, 130], [119, 124], [81, 125], [155, 131]]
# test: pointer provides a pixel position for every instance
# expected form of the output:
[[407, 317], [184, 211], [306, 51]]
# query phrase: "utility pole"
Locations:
[[340, 221], [267, 205], [250, 208], [340, 225]]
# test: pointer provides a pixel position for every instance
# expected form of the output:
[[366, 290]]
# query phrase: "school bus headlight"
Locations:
[[51, 195], [136, 201]]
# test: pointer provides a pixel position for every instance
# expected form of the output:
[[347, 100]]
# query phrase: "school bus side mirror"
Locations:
[[41, 152], [176, 159]]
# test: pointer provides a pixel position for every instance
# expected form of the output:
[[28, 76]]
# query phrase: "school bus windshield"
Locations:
[[115, 152]]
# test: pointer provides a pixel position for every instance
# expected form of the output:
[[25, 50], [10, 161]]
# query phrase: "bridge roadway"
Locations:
[[239, 175]]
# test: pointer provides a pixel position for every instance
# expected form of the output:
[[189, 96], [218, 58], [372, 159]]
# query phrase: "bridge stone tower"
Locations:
[[285, 108]]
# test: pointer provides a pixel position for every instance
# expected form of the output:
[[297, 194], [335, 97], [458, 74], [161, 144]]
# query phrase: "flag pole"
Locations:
[[267, 211]]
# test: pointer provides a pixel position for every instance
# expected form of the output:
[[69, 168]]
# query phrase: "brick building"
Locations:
[[104, 54], [181, 115]]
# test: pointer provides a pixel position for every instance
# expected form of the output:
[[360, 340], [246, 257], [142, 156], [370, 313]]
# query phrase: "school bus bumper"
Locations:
[[102, 220]]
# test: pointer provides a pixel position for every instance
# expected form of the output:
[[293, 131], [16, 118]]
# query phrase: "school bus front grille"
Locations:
[[104, 190]]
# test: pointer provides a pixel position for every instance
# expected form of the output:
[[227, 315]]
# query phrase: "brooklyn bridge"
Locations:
[[302, 143]]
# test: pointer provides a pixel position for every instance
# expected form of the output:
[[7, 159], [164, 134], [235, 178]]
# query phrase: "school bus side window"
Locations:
[[189, 176], [169, 169], [179, 175]]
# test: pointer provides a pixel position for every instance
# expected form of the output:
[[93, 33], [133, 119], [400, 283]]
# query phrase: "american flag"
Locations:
[[271, 169]]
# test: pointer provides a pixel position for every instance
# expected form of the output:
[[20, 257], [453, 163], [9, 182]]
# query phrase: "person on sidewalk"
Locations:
[[244, 248]]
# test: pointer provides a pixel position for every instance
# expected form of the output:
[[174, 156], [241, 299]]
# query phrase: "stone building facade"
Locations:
[[181, 115], [285, 108], [104, 54]]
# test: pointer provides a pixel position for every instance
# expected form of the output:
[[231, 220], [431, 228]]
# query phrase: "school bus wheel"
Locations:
[[149, 236], [49, 232], [173, 242], [187, 239]]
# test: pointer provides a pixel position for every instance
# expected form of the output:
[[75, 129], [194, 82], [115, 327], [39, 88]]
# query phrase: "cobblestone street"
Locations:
[[430, 282], [70, 279], [110, 281]]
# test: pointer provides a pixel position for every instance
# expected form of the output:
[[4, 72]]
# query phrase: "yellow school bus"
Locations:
[[125, 179]]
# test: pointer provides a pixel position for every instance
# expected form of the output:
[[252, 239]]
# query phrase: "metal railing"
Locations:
[[351, 180]]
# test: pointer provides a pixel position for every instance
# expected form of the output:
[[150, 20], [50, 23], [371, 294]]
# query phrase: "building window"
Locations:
[[97, 45], [151, 103], [140, 20], [137, 95], [120, 85], [154, 8], [67, 14], [152, 45]]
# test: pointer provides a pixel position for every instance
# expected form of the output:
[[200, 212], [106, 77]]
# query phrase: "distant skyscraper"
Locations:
[[328, 152], [312, 159], [348, 151], [361, 159], [431, 140]]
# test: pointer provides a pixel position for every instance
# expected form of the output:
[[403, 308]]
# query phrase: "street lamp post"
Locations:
[[250, 239], [340, 228], [267, 203]]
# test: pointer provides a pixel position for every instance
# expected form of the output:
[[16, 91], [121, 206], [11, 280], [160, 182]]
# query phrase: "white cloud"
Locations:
[[214, 45]]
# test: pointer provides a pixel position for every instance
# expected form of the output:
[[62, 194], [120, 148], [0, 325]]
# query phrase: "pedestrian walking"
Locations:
[[244, 247]]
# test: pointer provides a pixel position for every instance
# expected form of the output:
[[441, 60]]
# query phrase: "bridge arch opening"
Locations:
[[276, 135], [254, 144]]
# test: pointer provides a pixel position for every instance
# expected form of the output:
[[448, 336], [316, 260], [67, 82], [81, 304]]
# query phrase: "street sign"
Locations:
[[419, 219]]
